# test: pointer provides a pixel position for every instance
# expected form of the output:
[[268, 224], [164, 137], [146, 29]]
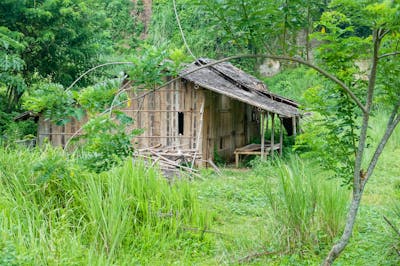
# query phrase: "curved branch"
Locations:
[[124, 88], [94, 68], [389, 54], [293, 59], [394, 120], [287, 58], [181, 30]]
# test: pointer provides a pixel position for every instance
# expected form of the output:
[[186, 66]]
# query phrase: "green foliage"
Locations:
[[97, 98], [234, 27], [11, 67], [63, 37], [18, 131], [52, 100], [331, 136], [150, 67], [307, 210], [164, 30], [125, 25], [56, 40], [8, 255], [81, 218], [292, 83], [106, 142], [179, 57]]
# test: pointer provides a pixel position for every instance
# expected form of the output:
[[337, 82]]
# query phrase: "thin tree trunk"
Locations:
[[285, 29], [308, 32], [359, 175], [344, 240]]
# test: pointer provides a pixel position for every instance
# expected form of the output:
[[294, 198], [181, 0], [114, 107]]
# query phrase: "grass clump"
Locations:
[[57, 213], [307, 210]]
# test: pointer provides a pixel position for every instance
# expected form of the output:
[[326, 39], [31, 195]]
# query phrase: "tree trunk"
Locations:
[[344, 240], [359, 178]]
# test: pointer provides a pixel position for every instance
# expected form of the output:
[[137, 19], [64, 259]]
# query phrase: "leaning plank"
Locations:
[[199, 132]]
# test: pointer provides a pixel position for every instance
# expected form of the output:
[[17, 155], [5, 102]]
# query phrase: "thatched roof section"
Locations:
[[226, 79]]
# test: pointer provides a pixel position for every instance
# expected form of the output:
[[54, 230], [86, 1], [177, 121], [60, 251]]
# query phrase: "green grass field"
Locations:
[[282, 212], [278, 212]]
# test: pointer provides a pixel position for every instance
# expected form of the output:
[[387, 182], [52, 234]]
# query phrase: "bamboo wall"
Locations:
[[171, 117], [57, 135]]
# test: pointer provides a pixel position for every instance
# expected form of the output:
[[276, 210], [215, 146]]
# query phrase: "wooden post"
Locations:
[[294, 126], [272, 134], [280, 136], [262, 129], [199, 132], [237, 160], [266, 121]]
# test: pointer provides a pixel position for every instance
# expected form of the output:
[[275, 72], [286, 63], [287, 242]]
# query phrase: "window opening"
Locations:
[[180, 123]]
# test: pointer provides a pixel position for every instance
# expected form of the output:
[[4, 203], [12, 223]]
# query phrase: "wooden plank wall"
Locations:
[[226, 126], [252, 124]]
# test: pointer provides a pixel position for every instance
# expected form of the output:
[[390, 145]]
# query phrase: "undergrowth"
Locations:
[[52, 212], [55, 212], [307, 210]]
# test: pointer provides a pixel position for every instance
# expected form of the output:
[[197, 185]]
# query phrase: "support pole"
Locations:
[[266, 121], [280, 136], [294, 126], [272, 134], [262, 129], [199, 132]]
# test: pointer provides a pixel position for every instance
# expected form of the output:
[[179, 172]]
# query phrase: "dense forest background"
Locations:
[[67, 58], [56, 41]]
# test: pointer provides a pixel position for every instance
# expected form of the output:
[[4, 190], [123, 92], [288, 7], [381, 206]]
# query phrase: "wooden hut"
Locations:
[[218, 111]]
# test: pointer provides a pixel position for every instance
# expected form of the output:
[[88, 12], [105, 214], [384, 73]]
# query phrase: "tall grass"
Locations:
[[377, 130], [307, 210], [52, 212]]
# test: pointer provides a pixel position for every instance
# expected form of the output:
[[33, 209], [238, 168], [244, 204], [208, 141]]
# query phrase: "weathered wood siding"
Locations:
[[170, 116], [57, 135], [228, 125]]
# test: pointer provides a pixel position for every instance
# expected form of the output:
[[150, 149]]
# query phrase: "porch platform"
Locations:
[[254, 149]]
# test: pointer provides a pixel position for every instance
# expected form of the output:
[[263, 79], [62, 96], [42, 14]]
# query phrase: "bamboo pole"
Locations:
[[199, 131], [280, 136], [262, 131], [272, 134], [266, 121]]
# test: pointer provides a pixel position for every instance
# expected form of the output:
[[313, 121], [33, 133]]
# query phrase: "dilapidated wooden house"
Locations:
[[217, 110]]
